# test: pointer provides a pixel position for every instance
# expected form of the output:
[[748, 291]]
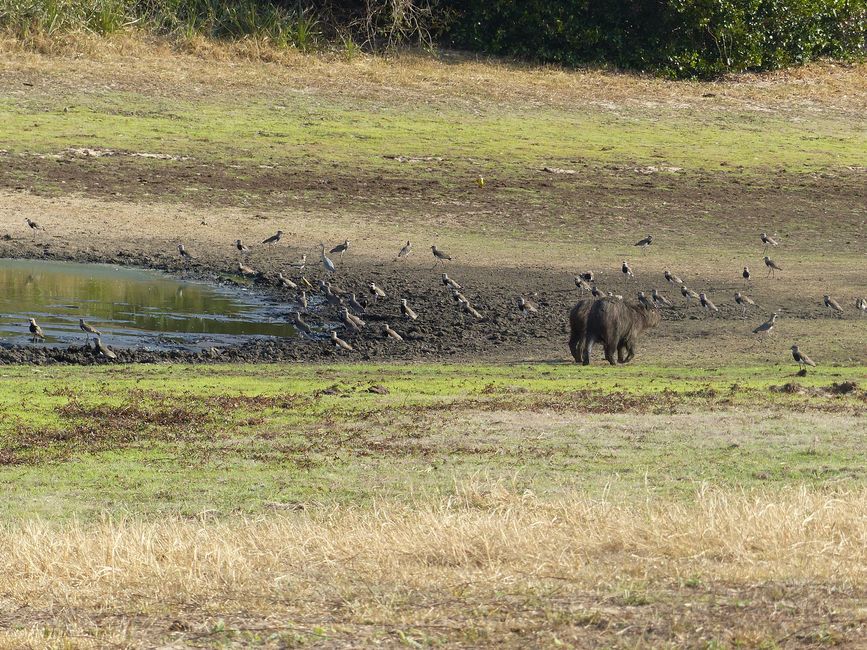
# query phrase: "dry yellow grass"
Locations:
[[482, 563], [198, 66]]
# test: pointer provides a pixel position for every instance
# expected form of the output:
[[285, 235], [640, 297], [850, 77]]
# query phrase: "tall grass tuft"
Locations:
[[220, 19]]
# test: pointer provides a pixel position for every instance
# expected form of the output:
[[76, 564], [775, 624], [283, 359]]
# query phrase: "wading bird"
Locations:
[[241, 247], [659, 299], [743, 301], [626, 270], [341, 248], [746, 274], [339, 342], [300, 264], [356, 306], [243, 269], [302, 300], [391, 333], [768, 326], [644, 243], [467, 308], [273, 239], [688, 293], [439, 255], [332, 298], [103, 349], [299, 323], [596, 292], [406, 250], [643, 301], [861, 305], [772, 266], [526, 307], [345, 318], [375, 291], [447, 281], [768, 241], [36, 332], [672, 279], [706, 303], [832, 304], [182, 251], [581, 283], [802, 359], [88, 329], [406, 310], [33, 225], [285, 282], [327, 264]]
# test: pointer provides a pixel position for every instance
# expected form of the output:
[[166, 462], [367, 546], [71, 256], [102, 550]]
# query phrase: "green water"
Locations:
[[131, 307]]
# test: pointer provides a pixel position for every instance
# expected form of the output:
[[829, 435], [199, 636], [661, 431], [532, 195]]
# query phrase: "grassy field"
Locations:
[[454, 504], [706, 497]]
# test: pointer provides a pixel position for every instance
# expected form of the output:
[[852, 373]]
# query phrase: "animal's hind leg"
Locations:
[[630, 347], [575, 348], [609, 354], [587, 348]]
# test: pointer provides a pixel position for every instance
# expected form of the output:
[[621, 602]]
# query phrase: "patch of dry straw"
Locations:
[[304, 562]]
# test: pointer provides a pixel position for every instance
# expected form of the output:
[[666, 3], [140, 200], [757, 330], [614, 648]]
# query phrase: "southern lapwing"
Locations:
[[802, 359], [406, 310], [273, 239], [88, 329]]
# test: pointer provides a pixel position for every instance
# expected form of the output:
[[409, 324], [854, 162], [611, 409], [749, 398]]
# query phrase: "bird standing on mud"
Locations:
[[526, 307], [447, 281], [33, 225], [341, 248], [467, 308], [643, 301], [596, 292], [688, 293], [103, 349], [581, 283], [802, 359], [406, 250], [659, 299], [339, 342], [439, 255], [746, 274], [832, 304], [706, 303], [406, 310], [241, 247], [348, 321], [327, 264], [624, 268], [861, 305], [672, 279], [285, 282], [768, 326], [391, 333], [768, 241], [243, 269], [772, 266], [88, 329], [299, 323], [743, 301], [356, 306], [182, 251], [36, 332], [644, 243], [375, 291], [273, 239]]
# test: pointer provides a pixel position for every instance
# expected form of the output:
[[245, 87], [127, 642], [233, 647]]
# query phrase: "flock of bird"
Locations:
[[351, 310]]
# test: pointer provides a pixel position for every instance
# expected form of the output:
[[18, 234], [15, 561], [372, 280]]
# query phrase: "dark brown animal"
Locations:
[[614, 323]]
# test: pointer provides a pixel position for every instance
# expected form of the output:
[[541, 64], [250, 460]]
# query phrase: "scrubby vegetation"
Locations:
[[680, 38]]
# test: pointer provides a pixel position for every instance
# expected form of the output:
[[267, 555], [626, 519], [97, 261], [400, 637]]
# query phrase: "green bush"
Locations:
[[681, 38]]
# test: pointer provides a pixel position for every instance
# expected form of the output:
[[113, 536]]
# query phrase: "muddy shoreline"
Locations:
[[442, 331]]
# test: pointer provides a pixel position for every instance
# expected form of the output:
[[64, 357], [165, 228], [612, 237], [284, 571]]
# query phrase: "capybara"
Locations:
[[614, 323]]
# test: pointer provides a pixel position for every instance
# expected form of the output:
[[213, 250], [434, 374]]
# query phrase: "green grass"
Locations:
[[186, 439], [358, 133]]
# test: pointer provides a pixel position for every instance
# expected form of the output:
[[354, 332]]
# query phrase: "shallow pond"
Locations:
[[131, 307]]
